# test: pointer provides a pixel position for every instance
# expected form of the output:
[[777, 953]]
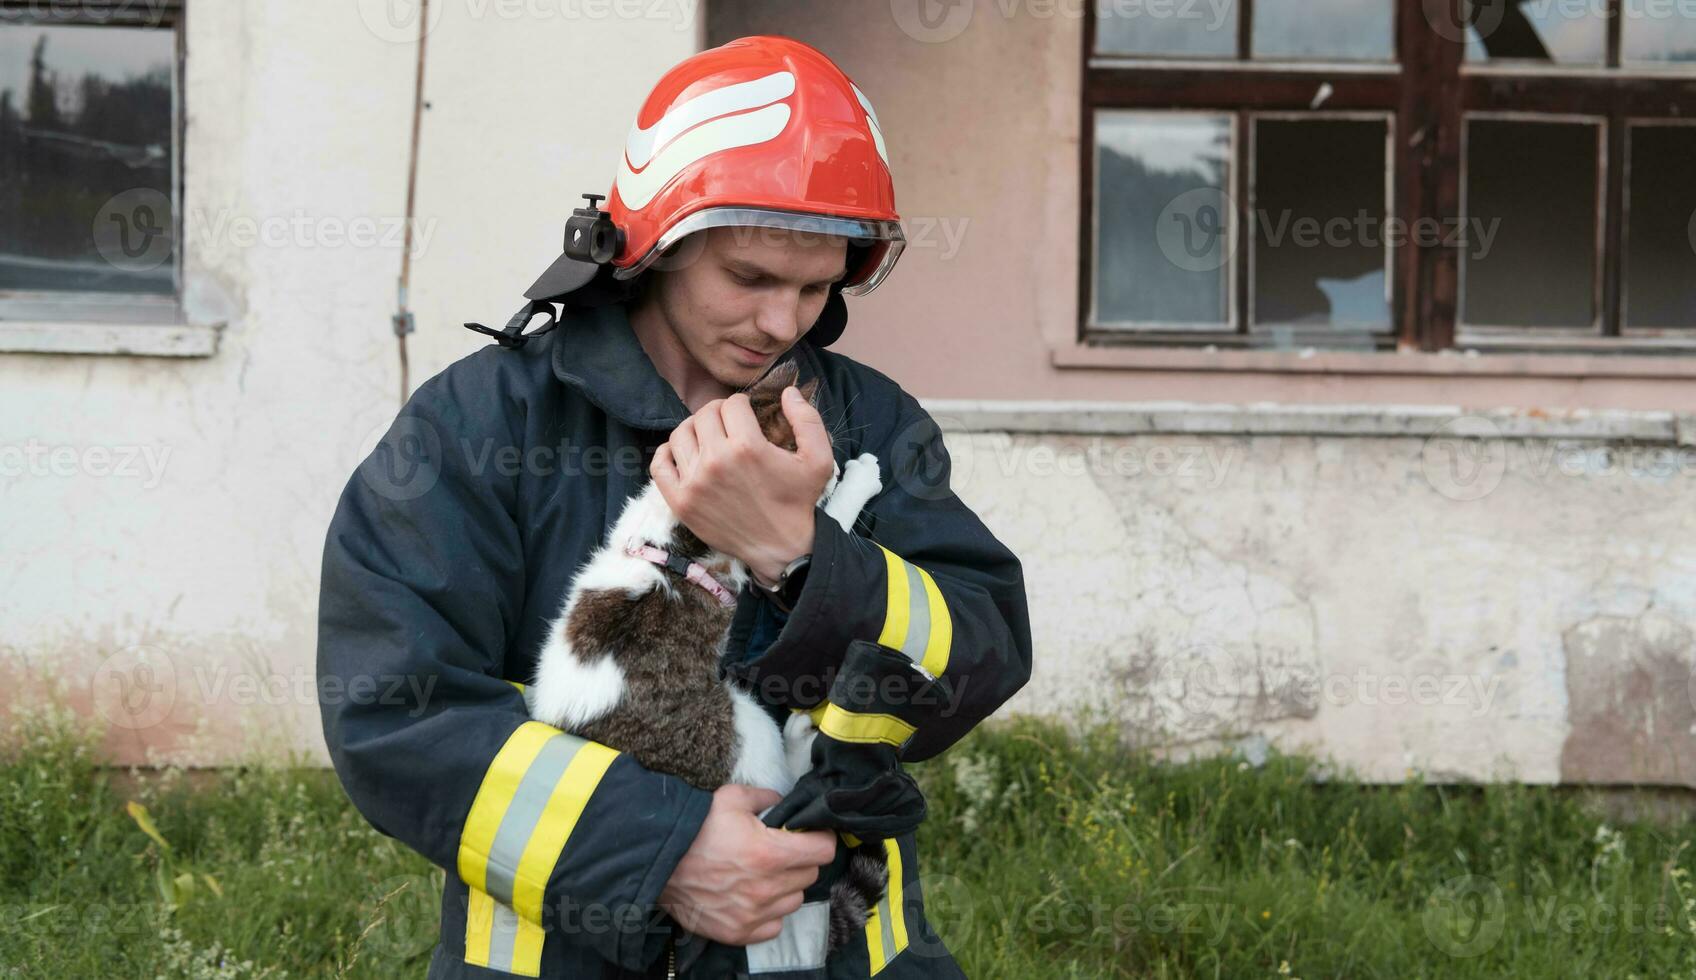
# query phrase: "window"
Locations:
[[1381, 174], [90, 120]]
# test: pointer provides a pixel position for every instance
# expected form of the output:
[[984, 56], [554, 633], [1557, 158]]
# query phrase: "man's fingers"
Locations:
[[740, 425], [663, 469], [753, 799], [789, 902], [684, 447], [810, 848], [709, 425], [796, 880], [812, 442], [765, 933]]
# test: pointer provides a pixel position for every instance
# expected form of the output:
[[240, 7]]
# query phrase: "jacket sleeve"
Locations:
[[557, 838], [928, 579]]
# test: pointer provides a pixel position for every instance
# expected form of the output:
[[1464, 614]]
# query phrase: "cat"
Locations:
[[632, 660]]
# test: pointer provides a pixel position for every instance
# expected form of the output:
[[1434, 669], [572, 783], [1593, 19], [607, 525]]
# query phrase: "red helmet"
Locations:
[[762, 131]]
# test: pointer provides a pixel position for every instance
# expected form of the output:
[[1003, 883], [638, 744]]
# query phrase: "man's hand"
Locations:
[[739, 493], [740, 877]]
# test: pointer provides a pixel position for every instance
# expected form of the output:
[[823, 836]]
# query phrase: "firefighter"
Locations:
[[753, 193]]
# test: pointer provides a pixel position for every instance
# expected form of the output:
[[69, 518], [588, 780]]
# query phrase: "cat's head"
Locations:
[[766, 397]]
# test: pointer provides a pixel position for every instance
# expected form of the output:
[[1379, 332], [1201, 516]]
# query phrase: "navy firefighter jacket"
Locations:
[[451, 551]]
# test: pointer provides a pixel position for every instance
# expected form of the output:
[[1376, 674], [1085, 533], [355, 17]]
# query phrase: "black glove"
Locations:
[[857, 784]]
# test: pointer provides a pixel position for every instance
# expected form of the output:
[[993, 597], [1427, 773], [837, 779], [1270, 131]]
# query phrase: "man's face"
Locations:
[[740, 297]]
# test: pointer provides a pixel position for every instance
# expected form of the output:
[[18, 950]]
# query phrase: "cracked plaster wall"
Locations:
[[191, 588], [1354, 598]]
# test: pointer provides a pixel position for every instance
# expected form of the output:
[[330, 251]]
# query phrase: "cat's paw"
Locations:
[[798, 734], [859, 484], [799, 726], [863, 468]]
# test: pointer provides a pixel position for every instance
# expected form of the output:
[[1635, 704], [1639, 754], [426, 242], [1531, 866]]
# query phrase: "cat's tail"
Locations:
[[857, 892]]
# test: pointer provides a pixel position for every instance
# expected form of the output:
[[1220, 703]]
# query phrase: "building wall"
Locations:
[[1474, 596], [981, 109], [1373, 564], [193, 579]]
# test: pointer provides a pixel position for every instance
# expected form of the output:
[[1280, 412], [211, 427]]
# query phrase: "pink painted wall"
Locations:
[[983, 126]]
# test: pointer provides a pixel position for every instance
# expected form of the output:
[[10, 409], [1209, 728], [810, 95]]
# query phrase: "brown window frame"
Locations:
[[1428, 90]]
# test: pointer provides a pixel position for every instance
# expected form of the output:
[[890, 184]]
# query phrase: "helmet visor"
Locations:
[[858, 231]]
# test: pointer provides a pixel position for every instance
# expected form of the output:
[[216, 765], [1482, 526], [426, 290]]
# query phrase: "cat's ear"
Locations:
[[810, 391], [772, 383]]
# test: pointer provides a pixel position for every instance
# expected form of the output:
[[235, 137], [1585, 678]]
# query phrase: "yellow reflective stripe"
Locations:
[[941, 639], [898, 910], [500, 783], [874, 940], [916, 620], [886, 926], [497, 938], [479, 927], [524, 813], [517, 685], [526, 958], [559, 818], [853, 726], [894, 633]]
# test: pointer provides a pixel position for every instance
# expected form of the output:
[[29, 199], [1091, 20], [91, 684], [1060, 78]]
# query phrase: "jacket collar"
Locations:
[[596, 352]]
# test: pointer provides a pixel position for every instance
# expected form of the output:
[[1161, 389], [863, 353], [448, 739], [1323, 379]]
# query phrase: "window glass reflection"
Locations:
[[1163, 236], [86, 150], [1167, 28], [1659, 32], [1529, 30], [1352, 30]]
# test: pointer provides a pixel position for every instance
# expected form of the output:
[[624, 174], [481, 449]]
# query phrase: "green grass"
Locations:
[[1044, 856]]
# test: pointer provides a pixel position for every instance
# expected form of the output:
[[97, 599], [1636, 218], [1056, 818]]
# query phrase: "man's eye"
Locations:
[[745, 280]]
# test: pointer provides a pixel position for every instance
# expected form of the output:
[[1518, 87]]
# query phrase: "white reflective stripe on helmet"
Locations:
[[639, 147], [724, 133]]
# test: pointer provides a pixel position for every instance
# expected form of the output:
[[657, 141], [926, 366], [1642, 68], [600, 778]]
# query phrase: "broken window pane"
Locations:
[[86, 153], [1350, 30], [1560, 33], [1660, 241], [1167, 28], [1658, 31], [1533, 185], [1320, 205], [1163, 232]]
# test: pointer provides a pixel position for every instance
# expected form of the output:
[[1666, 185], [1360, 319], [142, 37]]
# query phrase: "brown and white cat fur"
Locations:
[[632, 661]]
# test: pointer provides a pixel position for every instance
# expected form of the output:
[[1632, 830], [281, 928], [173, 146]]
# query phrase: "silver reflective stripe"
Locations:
[[918, 616], [526, 810], [502, 937], [886, 919], [800, 946]]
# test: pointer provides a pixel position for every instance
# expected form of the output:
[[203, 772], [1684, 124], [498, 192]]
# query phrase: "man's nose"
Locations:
[[780, 317]]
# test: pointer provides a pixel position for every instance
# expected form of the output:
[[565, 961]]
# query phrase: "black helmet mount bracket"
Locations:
[[590, 235]]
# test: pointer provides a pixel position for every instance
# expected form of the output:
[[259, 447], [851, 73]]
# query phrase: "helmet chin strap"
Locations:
[[831, 322]]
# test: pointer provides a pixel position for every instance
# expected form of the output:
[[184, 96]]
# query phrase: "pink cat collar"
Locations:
[[693, 571]]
